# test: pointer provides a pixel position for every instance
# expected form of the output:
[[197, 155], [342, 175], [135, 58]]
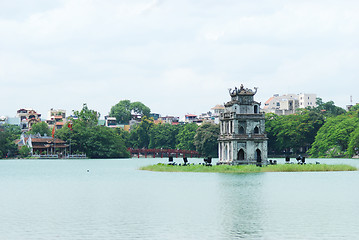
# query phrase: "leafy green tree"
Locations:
[[13, 130], [96, 141], [205, 139], [24, 151], [328, 109], [294, 132], [40, 127], [8, 134], [125, 136], [353, 146], [333, 137], [104, 142], [185, 136], [140, 108], [87, 116], [140, 135], [123, 109], [163, 136]]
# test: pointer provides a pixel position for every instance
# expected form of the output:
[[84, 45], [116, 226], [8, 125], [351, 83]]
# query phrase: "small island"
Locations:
[[161, 167]]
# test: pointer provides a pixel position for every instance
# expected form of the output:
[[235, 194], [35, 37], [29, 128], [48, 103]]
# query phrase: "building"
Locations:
[[217, 110], [169, 120], [56, 117], [190, 118], [28, 117], [110, 122], [242, 138], [11, 121], [44, 145], [289, 103]]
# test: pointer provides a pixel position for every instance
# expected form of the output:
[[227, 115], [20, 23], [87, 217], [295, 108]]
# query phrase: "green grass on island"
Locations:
[[160, 167]]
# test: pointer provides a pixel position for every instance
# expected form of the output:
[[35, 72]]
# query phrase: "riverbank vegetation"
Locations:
[[103, 142], [323, 131], [160, 167]]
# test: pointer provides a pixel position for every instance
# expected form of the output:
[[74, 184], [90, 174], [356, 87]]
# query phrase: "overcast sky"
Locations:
[[176, 57]]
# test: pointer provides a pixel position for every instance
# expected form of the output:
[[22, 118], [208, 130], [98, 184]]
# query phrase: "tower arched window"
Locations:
[[256, 109], [241, 130], [256, 130]]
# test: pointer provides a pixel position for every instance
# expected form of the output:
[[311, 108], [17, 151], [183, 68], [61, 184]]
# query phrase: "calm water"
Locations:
[[53, 199]]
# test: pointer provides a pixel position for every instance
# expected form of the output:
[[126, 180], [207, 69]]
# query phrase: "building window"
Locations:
[[256, 130], [241, 130]]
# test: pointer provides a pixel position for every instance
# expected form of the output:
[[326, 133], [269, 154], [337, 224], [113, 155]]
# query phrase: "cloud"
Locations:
[[174, 56]]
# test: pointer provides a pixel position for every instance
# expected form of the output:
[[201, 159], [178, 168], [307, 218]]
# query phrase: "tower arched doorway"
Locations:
[[240, 155], [225, 154], [258, 156], [256, 130]]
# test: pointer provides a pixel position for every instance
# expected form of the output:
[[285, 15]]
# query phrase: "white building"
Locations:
[[217, 110], [27, 117], [289, 103]]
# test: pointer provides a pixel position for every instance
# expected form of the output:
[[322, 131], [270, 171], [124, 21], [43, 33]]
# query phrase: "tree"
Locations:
[[123, 109], [24, 151], [96, 141], [353, 145], [163, 136], [125, 136], [332, 139], [140, 108], [294, 132], [185, 136], [40, 127], [8, 134], [87, 116], [205, 139], [140, 135], [328, 109], [13, 130], [104, 142]]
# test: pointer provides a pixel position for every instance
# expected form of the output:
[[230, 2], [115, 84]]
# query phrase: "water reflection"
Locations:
[[242, 205]]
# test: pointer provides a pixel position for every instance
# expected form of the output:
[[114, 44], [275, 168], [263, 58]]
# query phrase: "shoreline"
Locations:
[[160, 167]]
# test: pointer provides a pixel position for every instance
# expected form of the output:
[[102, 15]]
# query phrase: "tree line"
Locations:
[[323, 131], [103, 142], [86, 136]]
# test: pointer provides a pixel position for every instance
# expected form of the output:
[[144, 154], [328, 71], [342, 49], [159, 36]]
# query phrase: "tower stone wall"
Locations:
[[242, 138]]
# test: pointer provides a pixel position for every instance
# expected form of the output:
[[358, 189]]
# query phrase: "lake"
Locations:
[[112, 199]]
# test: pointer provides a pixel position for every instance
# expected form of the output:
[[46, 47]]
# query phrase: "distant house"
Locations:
[[289, 103], [170, 120], [110, 122], [28, 117], [56, 117], [190, 118], [155, 116]]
